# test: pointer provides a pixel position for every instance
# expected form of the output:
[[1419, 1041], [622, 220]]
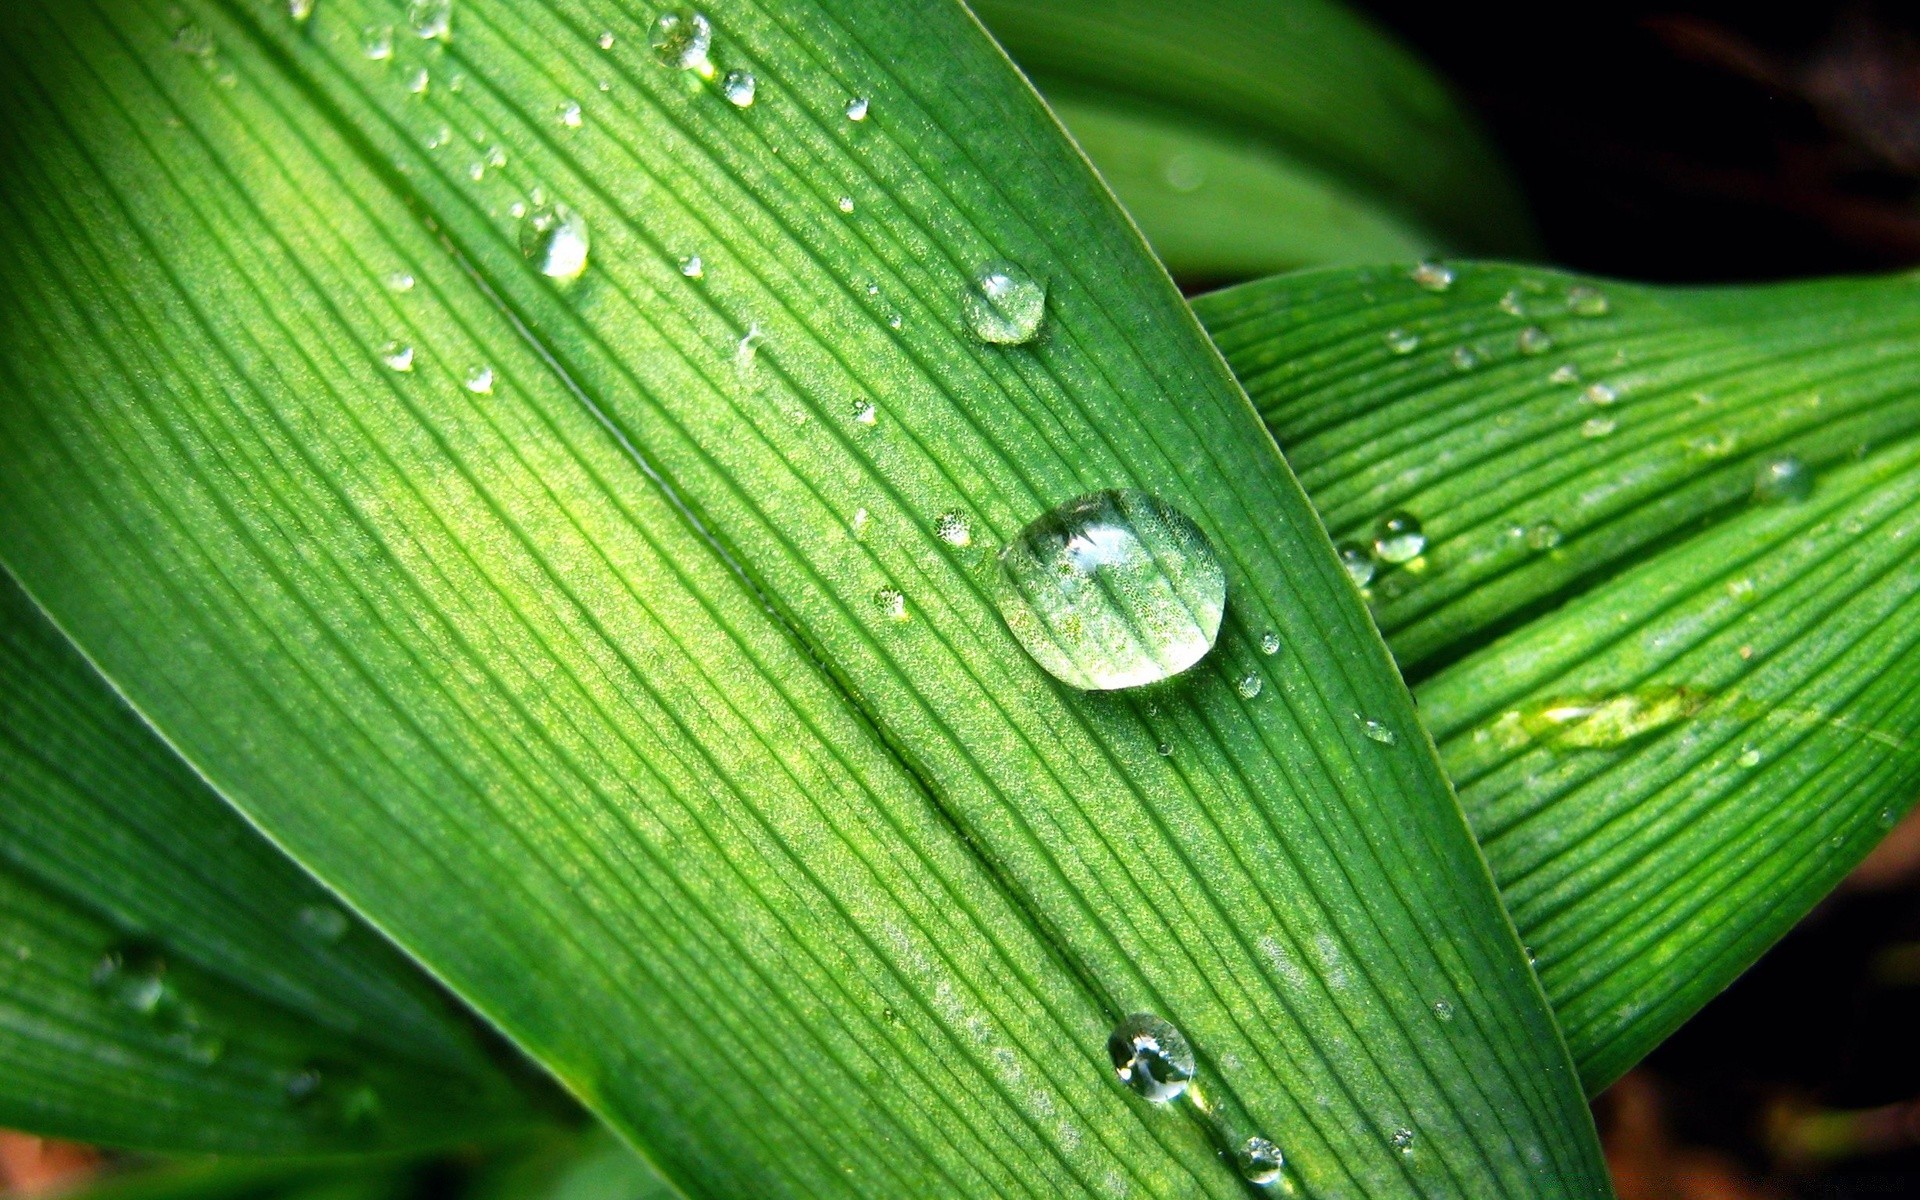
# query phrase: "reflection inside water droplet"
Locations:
[[739, 88], [1783, 480], [1432, 276], [1151, 1057], [857, 109], [1004, 305], [1400, 537], [681, 39], [554, 239], [1260, 1161], [1357, 563]]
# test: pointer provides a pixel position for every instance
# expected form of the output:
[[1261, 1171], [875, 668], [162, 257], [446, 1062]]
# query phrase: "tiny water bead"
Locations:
[[300, 10], [1269, 642], [1399, 538], [892, 603], [954, 530], [323, 921], [1358, 564], [1443, 1009], [397, 355], [1783, 480], [418, 81], [1004, 305], [480, 381], [1535, 340], [865, 412], [569, 113], [554, 239], [1586, 301], [1749, 757], [681, 39], [1432, 276], [605, 40], [1401, 342], [1544, 536], [431, 18], [376, 42], [1116, 589], [1249, 686], [400, 281], [1465, 358], [1260, 1161], [845, 204], [1600, 394], [1376, 731], [857, 109], [692, 267], [738, 87], [1598, 427], [1403, 1140], [1565, 373], [1151, 1057]]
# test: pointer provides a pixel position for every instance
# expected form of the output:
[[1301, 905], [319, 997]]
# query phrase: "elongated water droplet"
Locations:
[[1401, 342], [1600, 394], [1783, 480], [1465, 358], [953, 529], [1535, 340], [1511, 303], [1432, 276], [858, 525], [554, 239], [1586, 301], [1565, 373], [431, 18], [1151, 1057], [1249, 686], [1112, 590], [692, 267], [1544, 536], [1004, 305], [418, 80], [400, 281], [681, 39], [480, 380], [1598, 427], [1399, 538], [1358, 564], [857, 109], [1260, 1161], [738, 87], [1605, 722], [397, 355], [1376, 731], [323, 921], [376, 42]]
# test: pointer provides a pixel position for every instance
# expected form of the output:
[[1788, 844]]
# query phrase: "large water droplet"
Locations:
[[1112, 590], [738, 87], [1783, 480], [300, 10], [1004, 305], [681, 39], [1399, 538], [431, 18], [1358, 564], [1260, 1161], [1151, 1057], [554, 239], [1432, 276]]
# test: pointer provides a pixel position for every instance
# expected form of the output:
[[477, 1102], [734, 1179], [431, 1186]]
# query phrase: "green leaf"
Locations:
[[1295, 101], [1676, 714], [166, 978], [654, 698]]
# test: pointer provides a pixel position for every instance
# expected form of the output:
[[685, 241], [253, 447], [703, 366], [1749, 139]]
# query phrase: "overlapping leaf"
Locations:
[[1679, 698], [597, 642]]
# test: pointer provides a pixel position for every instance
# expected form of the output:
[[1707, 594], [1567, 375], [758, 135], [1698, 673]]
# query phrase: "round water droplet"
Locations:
[[376, 42], [1164, 750], [1544, 536], [1598, 427], [1358, 563], [1586, 301], [891, 603], [1403, 1140], [1151, 1057], [681, 39], [431, 18], [569, 113], [1432, 276], [397, 355], [1269, 642], [1534, 340], [1600, 394], [300, 10], [1887, 818], [605, 40], [1465, 358], [1401, 342], [400, 281], [480, 380], [1399, 538], [303, 1085], [857, 109], [1565, 373], [323, 921], [738, 87], [692, 267], [1112, 590], [1004, 305], [418, 80], [953, 529], [1249, 686], [1749, 757], [895, 321], [1260, 1161], [845, 204], [1443, 1009], [1783, 480], [865, 412], [1377, 730], [554, 239]]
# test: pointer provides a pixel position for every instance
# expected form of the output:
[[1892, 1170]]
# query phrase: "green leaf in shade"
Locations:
[[1677, 704], [623, 647], [1295, 101], [167, 979]]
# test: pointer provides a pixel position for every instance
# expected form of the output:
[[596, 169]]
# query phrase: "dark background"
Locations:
[[1718, 142]]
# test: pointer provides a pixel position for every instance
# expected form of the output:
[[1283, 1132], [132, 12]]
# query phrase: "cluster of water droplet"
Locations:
[[1154, 1059]]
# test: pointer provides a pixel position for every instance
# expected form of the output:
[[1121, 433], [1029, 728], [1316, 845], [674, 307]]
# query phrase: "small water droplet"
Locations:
[[1887, 819], [1164, 750], [554, 239], [1151, 1057], [1565, 373], [857, 109], [1783, 480], [1401, 342], [1249, 686], [953, 529], [1377, 730], [300, 10], [1740, 589], [1359, 564], [496, 157], [476, 170], [400, 281], [1535, 340], [865, 412], [133, 976], [738, 87], [692, 267], [681, 39], [431, 18], [1600, 394], [1544, 536], [605, 40], [858, 525], [1184, 172], [748, 348], [1399, 537], [397, 355], [1269, 642], [1598, 427], [1749, 757], [1510, 303], [376, 42], [1004, 305], [1112, 590], [418, 81], [891, 603], [1583, 301], [569, 113], [1260, 1161], [480, 380], [1533, 960], [1443, 1009], [1403, 1138], [895, 321], [303, 1085], [323, 921], [845, 204], [194, 41], [1465, 358], [1432, 276], [439, 137]]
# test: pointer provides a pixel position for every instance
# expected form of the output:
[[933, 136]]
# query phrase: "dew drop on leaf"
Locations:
[[692, 267], [1004, 305], [1358, 564], [397, 355], [1565, 373], [300, 10], [1535, 340], [738, 87], [1600, 394], [480, 380], [1465, 358], [953, 529], [891, 603], [1399, 538], [1403, 1140], [1260, 1161], [1432, 276], [681, 39], [570, 114], [1783, 480], [1377, 730], [431, 18], [418, 81], [1598, 427], [1270, 642], [1151, 1057], [1443, 1009], [1249, 686], [857, 109], [866, 413], [1585, 301], [554, 239], [1112, 590], [1544, 536], [1401, 342], [376, 42], [400, 281], [323, 922]]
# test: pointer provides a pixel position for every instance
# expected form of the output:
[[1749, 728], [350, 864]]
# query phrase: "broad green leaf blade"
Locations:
[[1223, 208], [1675, 715], [1273, 92], [167, 980], [605, 643]]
